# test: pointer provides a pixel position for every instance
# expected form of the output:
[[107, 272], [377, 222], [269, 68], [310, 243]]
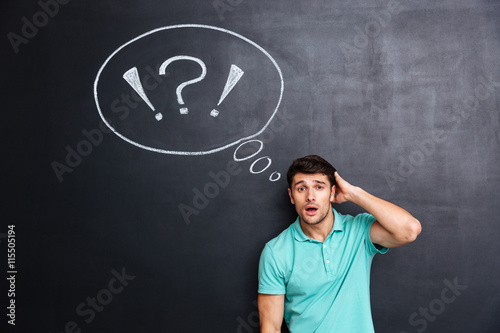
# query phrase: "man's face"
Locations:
[[312, 196]]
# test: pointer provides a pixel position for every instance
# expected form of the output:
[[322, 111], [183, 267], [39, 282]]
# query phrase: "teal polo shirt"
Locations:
[[326, 285]]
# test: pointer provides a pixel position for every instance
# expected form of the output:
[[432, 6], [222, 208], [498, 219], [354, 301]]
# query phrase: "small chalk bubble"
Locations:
[[184, 110], [158, 116], [276, 177], [214, 113]]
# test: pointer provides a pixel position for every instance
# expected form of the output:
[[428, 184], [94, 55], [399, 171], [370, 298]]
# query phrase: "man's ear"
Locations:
[[332, 196], [291, 197]]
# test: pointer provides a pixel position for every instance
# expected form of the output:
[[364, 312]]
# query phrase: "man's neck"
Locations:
[[321, 230]]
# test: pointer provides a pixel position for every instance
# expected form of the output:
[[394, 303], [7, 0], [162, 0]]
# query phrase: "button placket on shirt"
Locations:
[[328, 255]]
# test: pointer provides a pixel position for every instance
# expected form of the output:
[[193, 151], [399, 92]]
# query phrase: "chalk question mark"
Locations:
[[184, 110]]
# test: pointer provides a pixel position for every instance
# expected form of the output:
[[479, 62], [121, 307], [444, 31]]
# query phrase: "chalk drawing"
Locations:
[[257, 161], [236, 159], [271, 178], [132, 77], [274, 89], [235, 74], [276, 174], [179, 89]]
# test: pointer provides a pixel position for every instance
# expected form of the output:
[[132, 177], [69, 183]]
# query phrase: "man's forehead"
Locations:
[[310, 177]]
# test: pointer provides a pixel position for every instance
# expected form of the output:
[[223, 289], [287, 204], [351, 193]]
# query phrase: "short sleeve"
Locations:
[[271, 281], [368, 220]]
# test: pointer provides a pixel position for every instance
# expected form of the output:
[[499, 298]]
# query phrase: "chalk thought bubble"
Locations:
[[188, 90]]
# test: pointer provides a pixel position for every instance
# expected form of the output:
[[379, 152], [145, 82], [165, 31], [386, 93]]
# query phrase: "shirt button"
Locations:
[[328, 261], [324, 246]]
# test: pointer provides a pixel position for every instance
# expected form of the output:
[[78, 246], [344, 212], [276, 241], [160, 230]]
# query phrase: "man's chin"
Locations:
[[312, 222]]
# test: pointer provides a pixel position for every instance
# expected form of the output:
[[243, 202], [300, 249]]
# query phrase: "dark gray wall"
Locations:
[[402, 97]]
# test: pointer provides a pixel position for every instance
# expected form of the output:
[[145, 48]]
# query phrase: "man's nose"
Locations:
[[310, 196]]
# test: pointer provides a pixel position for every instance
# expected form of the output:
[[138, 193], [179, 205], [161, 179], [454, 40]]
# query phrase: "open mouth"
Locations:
[[311, 210]]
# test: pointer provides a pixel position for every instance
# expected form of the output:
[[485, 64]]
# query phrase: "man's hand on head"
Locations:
[[343, 190]]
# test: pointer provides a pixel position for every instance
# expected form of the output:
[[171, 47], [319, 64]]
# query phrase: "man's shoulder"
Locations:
[[284, 239], [279, 250], [350, 220]]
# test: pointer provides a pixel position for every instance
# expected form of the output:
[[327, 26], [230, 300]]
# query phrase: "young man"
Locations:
[[316, 273]]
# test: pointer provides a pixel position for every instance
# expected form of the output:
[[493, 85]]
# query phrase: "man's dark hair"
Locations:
[[311, 164]]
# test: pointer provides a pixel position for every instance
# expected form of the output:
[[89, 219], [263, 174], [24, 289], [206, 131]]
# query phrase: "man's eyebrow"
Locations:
[[299, 182], [314, 181]]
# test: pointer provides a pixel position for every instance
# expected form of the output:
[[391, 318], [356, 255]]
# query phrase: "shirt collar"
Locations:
[[338, 225]]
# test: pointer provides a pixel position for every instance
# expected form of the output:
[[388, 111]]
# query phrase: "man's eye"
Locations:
[[301, 189], [319, 187]]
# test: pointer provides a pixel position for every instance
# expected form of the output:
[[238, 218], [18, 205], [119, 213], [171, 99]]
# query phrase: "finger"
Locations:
[[339, 180]]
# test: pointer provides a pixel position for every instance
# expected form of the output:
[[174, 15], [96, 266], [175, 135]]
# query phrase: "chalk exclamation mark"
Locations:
[[132, 77], [235, 74]]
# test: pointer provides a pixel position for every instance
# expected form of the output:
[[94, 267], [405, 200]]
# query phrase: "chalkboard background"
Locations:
[[402, 97]]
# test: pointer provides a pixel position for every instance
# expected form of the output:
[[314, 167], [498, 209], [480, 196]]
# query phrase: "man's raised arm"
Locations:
[[394, 226]]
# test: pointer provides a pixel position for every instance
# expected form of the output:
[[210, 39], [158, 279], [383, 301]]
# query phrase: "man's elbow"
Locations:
[[413, 229]]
